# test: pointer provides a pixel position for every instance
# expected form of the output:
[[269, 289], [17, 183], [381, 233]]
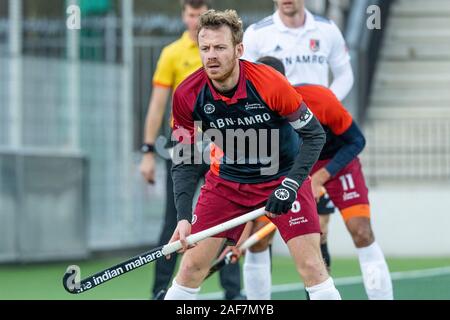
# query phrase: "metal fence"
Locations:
[[402, 150], [123, 210], [49, 101]]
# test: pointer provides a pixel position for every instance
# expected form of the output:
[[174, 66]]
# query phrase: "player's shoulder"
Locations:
[[261, 72], [190, 87], [262, 24], [326, 24], [322, 19], [322, 100], [312, 87], [317, 93], [267, 81]]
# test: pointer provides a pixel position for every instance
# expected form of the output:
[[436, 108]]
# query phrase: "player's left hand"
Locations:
[[318, 180], [232, 253], [282, 198]]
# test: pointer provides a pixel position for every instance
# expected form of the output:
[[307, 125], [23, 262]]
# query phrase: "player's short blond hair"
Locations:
[[213, 19]]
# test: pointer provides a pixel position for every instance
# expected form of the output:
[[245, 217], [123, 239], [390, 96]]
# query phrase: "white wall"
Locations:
[[408, 220]]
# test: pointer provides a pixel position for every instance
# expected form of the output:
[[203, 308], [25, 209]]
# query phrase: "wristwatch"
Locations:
[[147, 148]]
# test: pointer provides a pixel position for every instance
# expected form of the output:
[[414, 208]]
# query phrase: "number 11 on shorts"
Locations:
[[347, 182]]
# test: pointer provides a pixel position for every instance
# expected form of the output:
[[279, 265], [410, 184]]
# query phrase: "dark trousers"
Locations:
[[230, 277]]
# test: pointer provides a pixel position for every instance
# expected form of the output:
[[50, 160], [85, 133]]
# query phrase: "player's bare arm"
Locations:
[[153, 121]]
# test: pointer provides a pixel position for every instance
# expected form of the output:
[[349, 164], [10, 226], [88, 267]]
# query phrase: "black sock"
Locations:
[[270, 253], [325, 254]]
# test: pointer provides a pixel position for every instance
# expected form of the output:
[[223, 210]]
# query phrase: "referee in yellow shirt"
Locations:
[[177, 61]]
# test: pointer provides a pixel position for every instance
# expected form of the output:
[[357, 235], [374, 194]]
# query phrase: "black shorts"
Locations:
[[325, 205]]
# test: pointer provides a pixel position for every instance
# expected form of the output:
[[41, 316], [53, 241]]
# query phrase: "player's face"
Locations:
[[290, 7], [219, 54], [191, 17]]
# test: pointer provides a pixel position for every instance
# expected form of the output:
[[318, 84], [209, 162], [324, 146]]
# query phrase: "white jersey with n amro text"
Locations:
[[307, 52]]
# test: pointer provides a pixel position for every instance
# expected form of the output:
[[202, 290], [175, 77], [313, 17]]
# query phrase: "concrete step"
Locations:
[[410, 96], [413, 112], [406, 101], [417, 8], [401, 81], [414, 93], [424, 36], [417, 23], [407, 3], [414, 67], [395, 50]]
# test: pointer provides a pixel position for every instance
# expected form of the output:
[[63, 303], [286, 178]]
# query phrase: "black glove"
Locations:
[[282, 198]]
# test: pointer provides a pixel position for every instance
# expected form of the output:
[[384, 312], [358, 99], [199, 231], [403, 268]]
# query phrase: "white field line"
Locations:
[[402, 275]]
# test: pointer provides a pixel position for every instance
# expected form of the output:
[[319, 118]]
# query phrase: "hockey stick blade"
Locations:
[[73, 285]]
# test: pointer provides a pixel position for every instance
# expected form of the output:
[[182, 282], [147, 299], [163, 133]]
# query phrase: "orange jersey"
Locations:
[[326, 107], [330, 112]]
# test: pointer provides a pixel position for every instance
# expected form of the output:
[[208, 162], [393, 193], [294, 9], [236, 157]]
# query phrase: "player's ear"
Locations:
[[239, 50]]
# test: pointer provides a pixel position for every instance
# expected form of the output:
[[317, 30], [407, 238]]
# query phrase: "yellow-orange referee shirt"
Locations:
[[177, 61]]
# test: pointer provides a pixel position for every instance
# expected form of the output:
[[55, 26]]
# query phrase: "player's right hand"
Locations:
[[282, 198], [182, 231], [147, 167]]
